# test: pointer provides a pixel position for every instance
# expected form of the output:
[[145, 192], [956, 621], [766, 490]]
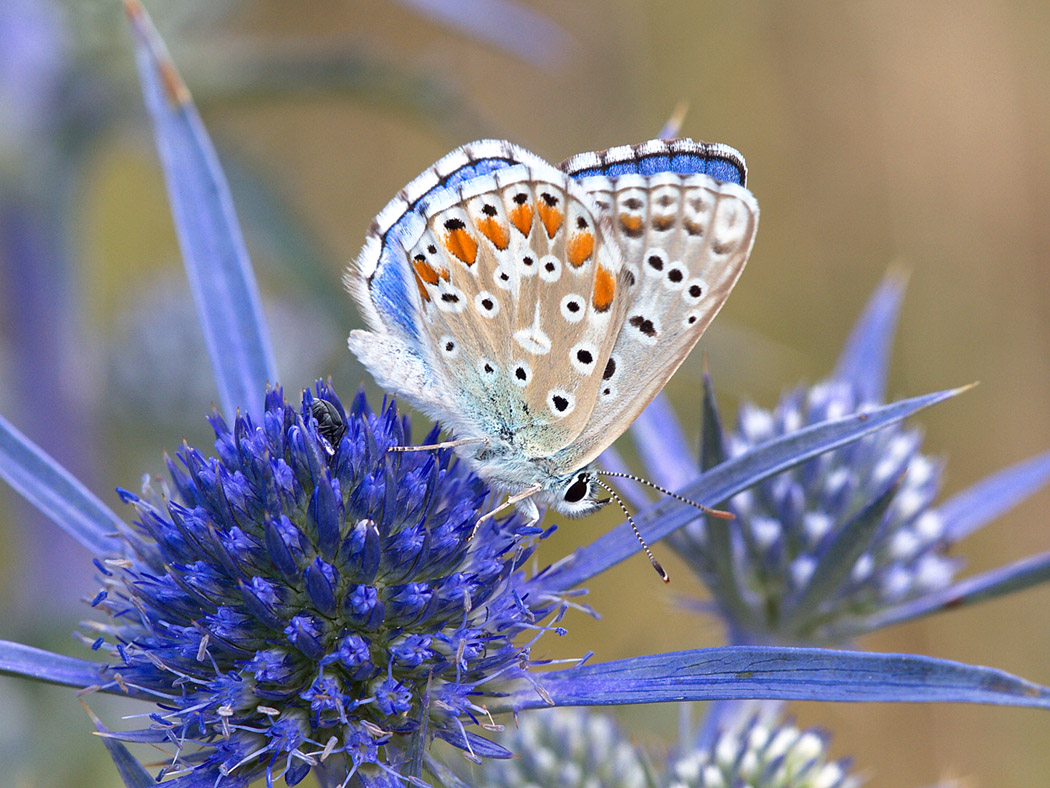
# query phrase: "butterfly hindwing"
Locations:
[[686, 239]]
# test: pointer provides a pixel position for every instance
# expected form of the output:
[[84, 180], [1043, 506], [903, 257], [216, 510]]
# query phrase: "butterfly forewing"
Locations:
[[686, 239], [521, 300]]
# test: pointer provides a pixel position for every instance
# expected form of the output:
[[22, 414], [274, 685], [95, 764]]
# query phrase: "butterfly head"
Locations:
[[575, 495]]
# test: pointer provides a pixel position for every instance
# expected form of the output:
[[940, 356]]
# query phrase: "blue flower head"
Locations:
[[579, 748], [847, 541], [762, 752], [566, 747], [306, 598], [869, 504], [840, 537]]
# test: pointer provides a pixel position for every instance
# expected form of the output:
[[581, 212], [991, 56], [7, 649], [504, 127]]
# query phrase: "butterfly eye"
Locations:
[[577, 490]]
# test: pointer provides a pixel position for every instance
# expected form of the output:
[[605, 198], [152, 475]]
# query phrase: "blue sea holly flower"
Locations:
[[849, 540], [761, 752], [579, 748], [306, 599], [568, 748]]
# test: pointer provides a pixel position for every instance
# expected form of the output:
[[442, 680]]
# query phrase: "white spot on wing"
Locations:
[[560, 402], [449, 298], [448, 346], [675, 276], [521, 374], [533, 340], [502, 277], [487, 304], [694, 291], [583, 357], [550, 268], [568, 313]]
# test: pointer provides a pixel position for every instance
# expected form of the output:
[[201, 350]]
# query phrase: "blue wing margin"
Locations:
[[680, 156]]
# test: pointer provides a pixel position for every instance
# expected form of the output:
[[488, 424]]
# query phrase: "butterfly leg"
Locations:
[[521, 500], [442, 445]]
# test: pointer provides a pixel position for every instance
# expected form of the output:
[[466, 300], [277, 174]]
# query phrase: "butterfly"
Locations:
[[535, 310]]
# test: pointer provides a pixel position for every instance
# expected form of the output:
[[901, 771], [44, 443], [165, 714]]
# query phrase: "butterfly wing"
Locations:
[[513, 291], [383, 283], [685, 236]]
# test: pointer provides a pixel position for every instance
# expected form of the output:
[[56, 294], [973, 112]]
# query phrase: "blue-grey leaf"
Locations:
[[131, 771], [837, 559], [17, 659], [472, 743], [780, 673], [1018, 576], [213, 249], [991, 497], [57, 493], [510, 26], [865, 359]]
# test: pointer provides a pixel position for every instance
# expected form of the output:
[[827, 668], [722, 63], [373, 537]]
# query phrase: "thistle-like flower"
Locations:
[[566, 747], [868, 506], [762, 753], [576, 748], [307, 599], [847, 541]]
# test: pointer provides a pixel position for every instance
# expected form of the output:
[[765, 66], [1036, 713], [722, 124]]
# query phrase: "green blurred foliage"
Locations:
[[875, 132]]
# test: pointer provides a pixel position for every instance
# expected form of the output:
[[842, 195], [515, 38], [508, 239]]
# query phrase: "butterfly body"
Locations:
[[535, 310]]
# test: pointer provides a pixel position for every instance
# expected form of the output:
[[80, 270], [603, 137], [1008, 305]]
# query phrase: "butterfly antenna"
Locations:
[[721, 515], [652, 559]]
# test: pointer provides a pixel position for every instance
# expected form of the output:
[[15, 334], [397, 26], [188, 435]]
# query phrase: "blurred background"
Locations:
[[876, 133]]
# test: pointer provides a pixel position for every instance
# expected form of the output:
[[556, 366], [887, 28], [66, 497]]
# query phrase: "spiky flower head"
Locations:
[[763, 753], [564, 747], [581, 748], [308, 599], [838, 538], [816, 550]]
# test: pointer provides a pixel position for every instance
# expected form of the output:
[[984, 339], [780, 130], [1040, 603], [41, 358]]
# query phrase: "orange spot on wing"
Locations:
[[422, 289], [521, 217], [460, 243], [550, 216], [496, 231], [425, 271], [630, 223], [604, 289], [663, 223], [579, 249]]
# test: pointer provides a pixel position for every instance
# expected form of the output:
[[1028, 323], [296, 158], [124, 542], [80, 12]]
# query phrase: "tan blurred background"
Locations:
[[875, 133]]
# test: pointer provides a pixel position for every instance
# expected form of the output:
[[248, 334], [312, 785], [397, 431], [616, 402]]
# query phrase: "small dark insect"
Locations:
[[330, 423]]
